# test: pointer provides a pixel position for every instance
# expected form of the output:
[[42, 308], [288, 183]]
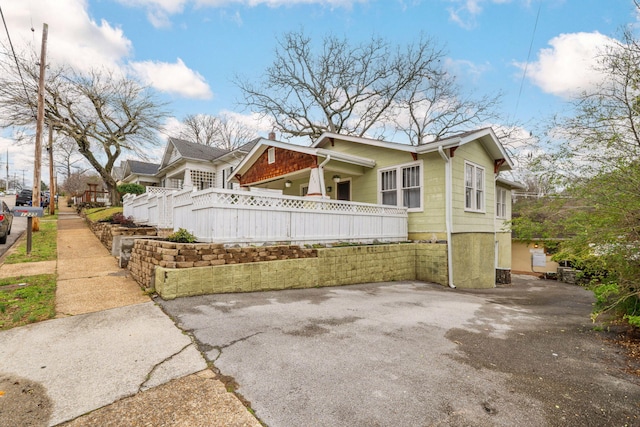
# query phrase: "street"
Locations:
[[411, 353], [19, 226]]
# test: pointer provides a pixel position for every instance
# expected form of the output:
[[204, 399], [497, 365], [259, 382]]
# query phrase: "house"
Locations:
[[136, 172], [190, 165], [452, 188]]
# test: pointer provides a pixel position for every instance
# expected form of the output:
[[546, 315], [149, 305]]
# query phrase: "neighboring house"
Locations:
[[533, 257], [136, 172], [451, 187], [190, 165]]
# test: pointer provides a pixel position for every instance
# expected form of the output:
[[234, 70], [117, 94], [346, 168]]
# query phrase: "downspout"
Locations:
[[321, 177], [448, 213], [495, 221]]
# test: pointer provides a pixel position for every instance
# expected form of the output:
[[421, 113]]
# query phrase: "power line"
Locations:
[[15, 57], [526, 65]]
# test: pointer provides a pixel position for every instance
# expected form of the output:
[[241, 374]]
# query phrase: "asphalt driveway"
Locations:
[[416, 354]]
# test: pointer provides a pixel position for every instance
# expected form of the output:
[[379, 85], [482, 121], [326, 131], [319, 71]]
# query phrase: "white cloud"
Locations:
[[74, 38], [258, 122], [568, 67], [159, 12], [174, 78], [465, 70], [465, 12]]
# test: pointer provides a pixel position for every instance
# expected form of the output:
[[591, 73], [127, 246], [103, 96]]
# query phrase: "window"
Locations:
[[501, 203], [226, 173], [402, 186], [388, 188], [271, 155], [473, 187], [304, 189]]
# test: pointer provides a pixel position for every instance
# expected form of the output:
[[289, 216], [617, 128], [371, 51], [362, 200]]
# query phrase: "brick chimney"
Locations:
[[272, 136]]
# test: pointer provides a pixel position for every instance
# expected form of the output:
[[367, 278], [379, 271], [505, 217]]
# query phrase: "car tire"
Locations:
[[3, 239]]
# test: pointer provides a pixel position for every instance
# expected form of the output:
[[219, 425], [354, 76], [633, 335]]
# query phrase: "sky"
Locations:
[[537, 53]]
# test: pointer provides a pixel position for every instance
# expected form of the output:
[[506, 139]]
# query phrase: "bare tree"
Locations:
[[103, 112], [66, 155], [76, 183], [219, 131], [341, 87], [433, 107]]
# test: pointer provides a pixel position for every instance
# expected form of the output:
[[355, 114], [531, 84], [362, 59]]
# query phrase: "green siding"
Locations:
[[463, 221], [473, 260], [504, 250]]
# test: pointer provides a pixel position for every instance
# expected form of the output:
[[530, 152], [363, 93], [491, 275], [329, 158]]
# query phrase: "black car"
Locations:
[[6, 221], [24, 199]]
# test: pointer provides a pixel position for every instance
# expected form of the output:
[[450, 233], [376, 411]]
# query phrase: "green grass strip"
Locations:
[[43, 244], [27, 299]]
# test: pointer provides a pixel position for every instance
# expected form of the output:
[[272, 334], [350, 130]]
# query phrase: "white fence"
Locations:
[[229, 216]]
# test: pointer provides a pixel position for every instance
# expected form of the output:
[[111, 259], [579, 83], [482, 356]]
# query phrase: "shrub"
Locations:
[[181, 236], [131, 189], [125, 221]]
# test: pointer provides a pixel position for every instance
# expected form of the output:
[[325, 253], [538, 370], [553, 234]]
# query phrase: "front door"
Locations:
[[344, 190]]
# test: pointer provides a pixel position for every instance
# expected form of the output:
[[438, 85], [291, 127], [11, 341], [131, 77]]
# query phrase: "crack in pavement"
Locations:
[[222, 347], [157, 365]]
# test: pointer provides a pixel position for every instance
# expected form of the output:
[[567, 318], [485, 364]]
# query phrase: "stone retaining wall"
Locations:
[[321, 267], [106, 231]]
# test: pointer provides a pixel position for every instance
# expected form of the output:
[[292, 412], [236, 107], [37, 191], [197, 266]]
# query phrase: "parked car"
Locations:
[[6, 221], [24, 198]]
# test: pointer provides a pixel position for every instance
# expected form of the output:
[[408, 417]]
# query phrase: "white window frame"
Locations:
[[478, 193], [399, 188], [226, 173], [271, 155], [501, 202]]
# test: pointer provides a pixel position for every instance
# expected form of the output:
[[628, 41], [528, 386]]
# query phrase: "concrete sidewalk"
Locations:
[[111, 357]]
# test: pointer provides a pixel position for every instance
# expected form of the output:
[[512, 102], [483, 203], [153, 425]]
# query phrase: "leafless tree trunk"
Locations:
[[104, 113]]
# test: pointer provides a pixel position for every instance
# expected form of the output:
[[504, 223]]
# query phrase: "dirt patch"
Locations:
[[23, 403], [629, 339]]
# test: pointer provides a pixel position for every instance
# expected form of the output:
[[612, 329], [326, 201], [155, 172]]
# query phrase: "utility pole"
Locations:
[[52, 183], [7, 170], [39, 125]]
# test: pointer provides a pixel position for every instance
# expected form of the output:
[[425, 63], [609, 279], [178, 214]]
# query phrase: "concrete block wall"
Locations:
[[331, 267], [431, 263], [146, 255]]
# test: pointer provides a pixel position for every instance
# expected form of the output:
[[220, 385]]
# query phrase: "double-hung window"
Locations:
[[473, 187], [226, 173], [501, 202], [402, 186]]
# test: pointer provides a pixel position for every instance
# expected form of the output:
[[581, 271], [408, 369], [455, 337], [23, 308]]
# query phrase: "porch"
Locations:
[[259, 216]]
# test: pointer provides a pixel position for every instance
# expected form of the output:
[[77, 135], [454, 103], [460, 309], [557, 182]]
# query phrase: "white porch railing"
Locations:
[[229, 216]]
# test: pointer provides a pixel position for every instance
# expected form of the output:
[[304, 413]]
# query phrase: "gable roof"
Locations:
[[485, 136], [141, 168], [262, 144], [192, 150], [189, 151]]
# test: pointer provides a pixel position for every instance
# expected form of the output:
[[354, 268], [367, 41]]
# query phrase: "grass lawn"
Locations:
[[100, 214], [28, 299], [43, 244]]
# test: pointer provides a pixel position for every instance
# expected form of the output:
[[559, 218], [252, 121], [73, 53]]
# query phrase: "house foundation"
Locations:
[[329, 267]]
